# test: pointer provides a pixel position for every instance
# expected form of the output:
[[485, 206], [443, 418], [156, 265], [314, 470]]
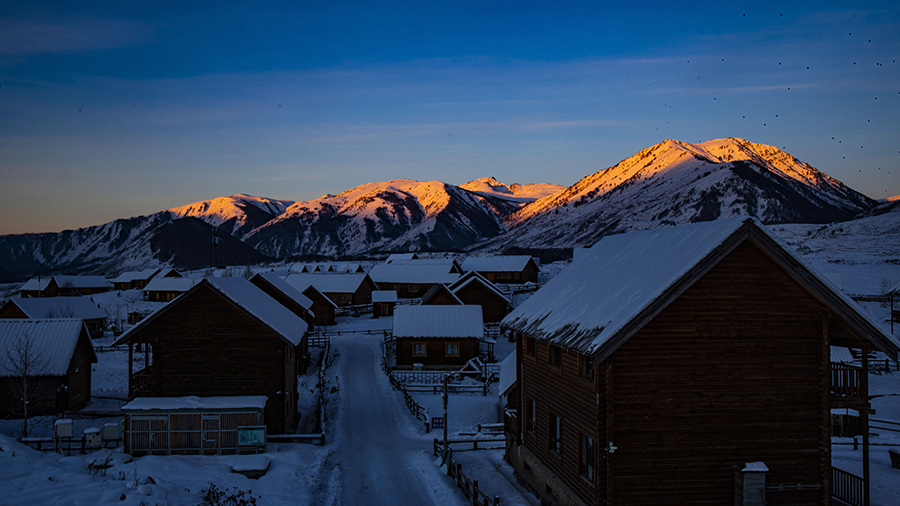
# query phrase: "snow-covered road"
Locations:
[[378, 458]]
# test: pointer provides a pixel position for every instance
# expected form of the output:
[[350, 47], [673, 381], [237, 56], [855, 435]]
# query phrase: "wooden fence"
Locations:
[[414, 407], [847, 487], [468, 486], [316, 439]]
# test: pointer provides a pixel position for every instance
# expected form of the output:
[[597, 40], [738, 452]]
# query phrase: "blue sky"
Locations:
[[110, 110]]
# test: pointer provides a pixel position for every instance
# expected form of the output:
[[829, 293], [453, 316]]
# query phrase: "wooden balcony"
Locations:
[[511, 423], [142, 382], [847, 385]]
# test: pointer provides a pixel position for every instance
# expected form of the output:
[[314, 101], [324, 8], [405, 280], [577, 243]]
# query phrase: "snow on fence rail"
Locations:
[[468, 486], [316, 439]]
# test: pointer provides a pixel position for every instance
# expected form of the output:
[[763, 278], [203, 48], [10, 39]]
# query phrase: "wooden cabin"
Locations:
[[82, 308], [60, 353], [437, 336], [412, 280], [657, 367], [440, 295], [193, 425], [164, 289], [474, 289], [383, 303], [133, 279], [505, 270], [64, 286], [276, 287], [223, 337], [343, 289]]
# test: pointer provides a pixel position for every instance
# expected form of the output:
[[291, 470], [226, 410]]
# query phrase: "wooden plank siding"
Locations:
[[205, 346], [435, 351], [493, 306], [734, 370]]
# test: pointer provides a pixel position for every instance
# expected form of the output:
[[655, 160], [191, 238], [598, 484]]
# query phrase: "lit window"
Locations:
[[452, 349]]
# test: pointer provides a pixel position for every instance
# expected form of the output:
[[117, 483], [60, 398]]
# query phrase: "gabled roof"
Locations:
[[285, 288], [474, 277], [168, 273], [327, 283], [322, 296], [158, 284], [413, 273], [438, 321], [400, 256], [438, 288], [598, 302], [53, 341], [129, 276], [81, 281], [384, 296], [505, 263], [248, 298], [59, 307], [451, 265], [36, 284]]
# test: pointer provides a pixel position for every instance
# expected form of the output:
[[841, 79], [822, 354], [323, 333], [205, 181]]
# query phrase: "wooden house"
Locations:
[[163, 289], [437, 336], [322, 307], [82, 308], [440, 295], [383, 303], [64, 286], [133, 279], [473, 288], [506, 270], [343, 289], [401, 256], [193, 425], [223, 337], [276, 287], [60, 354], [654, 369], [412, 280]]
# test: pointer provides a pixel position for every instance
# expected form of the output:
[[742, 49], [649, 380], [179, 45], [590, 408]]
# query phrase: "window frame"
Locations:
[[424, 346], [587, 451], [585, 368], [554, 355], [447, 346], [554, 434]]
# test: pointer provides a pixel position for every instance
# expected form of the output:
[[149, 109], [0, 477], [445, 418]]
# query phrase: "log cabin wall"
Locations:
[[78, 377], [435, 354], [730, 372], [207, 347], [493, 307], [560, 390]]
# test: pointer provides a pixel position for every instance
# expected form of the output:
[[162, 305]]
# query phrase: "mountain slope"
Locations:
[[235, 214], [674, 183], [398, 215], [518, 193]]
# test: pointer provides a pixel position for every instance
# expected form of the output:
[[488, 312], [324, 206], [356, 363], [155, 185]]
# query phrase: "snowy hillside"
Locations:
[[519, 193], [675, 183], [235, 214], [398, 215]]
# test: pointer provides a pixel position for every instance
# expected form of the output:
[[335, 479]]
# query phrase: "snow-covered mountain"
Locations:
[[235, 214], [518, 193], [674, 183], [398, 215]]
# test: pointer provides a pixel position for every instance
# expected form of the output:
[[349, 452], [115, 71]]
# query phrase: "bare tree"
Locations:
[[61, 311], [25, 364]]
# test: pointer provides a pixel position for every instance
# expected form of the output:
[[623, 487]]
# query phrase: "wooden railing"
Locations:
[[847, 487], [846, 381], [510, 422], [142, 381]]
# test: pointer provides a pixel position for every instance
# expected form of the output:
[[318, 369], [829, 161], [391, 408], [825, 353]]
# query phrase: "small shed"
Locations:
[[191, 425], [82, 308], [437, 336], [383, 302]]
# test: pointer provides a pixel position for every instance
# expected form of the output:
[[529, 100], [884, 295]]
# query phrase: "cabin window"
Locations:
[[586, 457], [452, 349], [413, 288], [505, 275], [384, 310], [555, 355], [343, 299], [532, 415], [516, 275], [555, 433], [530, 345], [584, 367], [420, 349]]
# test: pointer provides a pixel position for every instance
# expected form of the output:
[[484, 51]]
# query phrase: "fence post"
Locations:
[[475, 492], [496, 500]]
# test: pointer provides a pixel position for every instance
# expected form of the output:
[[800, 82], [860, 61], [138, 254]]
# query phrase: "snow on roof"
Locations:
[[474, 277], [59, 307], [895, 289], [841, 355], [591, 301], [400, 256], [256, 302], [326, 283], [81, 281], [36, 283], [435, 290], [287, 289], [507, 374], [53, 340], [158, 284], [196, 403], [129, 276], [384, 296], [438, 321], [413, 273], [505, 263]]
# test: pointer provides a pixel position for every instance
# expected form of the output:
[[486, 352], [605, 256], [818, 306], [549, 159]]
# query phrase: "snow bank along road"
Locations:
[[374, 462]]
